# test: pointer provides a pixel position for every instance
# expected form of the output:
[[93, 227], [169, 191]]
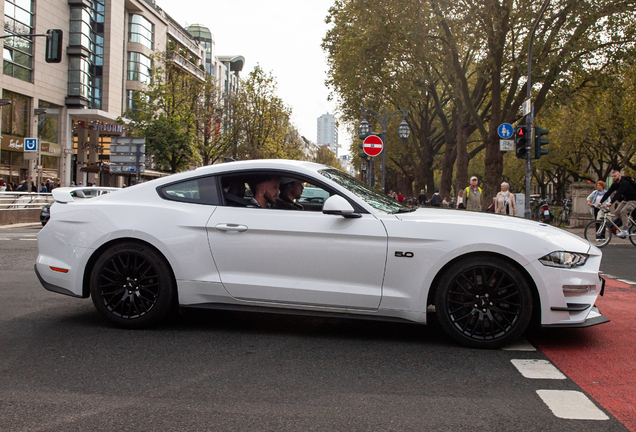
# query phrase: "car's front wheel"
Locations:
[[483, 302], [131, 285]]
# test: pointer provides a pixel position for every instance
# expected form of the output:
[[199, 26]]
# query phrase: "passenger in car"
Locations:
[[290, 190], [266, 190]]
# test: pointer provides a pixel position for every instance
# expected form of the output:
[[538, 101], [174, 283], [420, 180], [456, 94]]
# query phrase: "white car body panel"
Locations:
[[307, 260]]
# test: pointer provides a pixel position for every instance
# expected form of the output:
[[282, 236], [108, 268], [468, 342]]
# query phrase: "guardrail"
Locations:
[[24, 200]]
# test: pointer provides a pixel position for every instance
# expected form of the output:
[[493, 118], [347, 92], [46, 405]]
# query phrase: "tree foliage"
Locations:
[[460, 66]]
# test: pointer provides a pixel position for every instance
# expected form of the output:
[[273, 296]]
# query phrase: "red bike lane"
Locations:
[[602, 359]]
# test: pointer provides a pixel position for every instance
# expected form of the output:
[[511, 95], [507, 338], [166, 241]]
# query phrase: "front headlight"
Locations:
[[563, 259]]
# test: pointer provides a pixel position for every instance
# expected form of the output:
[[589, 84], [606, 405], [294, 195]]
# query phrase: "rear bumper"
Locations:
[[54, 288]]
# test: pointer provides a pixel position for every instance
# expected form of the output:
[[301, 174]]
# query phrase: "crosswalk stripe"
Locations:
[[570, 404], [537, 369], [519, 345]]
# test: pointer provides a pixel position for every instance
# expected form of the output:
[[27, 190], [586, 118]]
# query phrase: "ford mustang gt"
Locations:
[[201, 239]]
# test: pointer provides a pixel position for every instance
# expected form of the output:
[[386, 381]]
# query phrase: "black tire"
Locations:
[[131, 285], [632, 234], [483, 302], [602, 237]]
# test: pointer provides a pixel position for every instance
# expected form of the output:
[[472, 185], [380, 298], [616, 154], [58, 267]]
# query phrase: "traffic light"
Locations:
[[53, 51], [521, 141], [539, 142]]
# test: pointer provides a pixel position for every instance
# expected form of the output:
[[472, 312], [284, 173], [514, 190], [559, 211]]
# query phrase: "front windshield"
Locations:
[[374, 198]]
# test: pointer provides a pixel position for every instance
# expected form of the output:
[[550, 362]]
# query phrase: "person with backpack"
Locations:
[[472, 195], [625, 189], [436, 199]]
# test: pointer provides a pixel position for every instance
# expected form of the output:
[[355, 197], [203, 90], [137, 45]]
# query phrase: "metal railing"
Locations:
[[24, 200]]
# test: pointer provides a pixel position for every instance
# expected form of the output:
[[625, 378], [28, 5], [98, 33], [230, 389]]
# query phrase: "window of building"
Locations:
[[140, 30], [18, 52], [79, 77], [139, 67], [49, 124], [80, 29], [16, 115]]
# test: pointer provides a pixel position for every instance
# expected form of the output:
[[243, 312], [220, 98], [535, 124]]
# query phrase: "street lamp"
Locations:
[[364, 130], [39, 112], [403, 130], [4, 102]]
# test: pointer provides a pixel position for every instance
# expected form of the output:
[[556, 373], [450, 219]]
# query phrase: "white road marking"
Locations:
[[519, 345], [4, 239], [626, 281], [538, 369], [569, 404], [29, 239]]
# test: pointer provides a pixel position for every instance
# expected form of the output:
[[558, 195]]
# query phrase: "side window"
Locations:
[[197, 191], [312, 197]]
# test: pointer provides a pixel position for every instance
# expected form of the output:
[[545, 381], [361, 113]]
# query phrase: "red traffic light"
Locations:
[[520, 132]]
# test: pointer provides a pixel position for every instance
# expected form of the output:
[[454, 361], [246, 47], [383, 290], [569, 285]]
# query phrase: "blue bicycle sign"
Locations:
[[505, 130]]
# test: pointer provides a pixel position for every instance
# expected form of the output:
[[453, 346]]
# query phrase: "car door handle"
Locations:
[[228, 227]]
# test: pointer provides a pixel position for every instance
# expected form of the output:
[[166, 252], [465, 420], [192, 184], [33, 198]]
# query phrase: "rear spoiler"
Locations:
[[68, 194]]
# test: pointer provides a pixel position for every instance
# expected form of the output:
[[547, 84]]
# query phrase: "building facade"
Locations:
[[74, 106], [327, 132]]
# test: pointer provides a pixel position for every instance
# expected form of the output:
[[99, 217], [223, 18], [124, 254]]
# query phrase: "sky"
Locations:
[[283, 36]]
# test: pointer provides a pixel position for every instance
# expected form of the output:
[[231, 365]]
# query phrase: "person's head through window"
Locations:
[[266, 190], [290, 189]]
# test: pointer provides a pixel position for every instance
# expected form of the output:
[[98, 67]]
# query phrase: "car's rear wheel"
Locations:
[[483, 302], [131, 285]]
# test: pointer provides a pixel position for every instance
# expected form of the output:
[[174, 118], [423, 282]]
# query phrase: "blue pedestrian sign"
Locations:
[[30, 144], [505, 130]]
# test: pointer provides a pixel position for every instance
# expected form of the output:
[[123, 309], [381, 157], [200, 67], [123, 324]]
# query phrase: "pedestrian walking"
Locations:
[[472, 195], [505, 202], [421, 198]]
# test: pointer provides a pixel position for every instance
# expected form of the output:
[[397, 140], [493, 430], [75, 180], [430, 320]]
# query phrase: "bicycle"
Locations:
[[564, 218], [602, 235]]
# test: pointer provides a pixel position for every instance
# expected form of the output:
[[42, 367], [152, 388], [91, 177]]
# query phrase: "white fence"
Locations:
[[24, 200]]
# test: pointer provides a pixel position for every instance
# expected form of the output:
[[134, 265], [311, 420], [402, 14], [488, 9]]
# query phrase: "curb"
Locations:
[[20, 225]]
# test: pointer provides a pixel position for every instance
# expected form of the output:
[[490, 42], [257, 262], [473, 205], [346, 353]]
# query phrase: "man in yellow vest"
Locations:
[[472, 195]]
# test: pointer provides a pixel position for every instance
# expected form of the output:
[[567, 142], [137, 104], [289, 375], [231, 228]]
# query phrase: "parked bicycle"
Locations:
[[564, 218], [601, 235]]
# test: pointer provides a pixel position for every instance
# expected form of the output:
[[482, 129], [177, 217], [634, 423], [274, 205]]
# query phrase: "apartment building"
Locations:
[[73, 106], [327, 132]]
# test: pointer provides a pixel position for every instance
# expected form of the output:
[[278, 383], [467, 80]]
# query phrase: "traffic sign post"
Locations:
[[372, 145], [127, 156]]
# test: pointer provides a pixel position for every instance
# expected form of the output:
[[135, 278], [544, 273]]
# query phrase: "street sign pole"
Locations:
[[530, 116]]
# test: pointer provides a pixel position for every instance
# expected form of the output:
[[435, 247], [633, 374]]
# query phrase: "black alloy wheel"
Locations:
[[484, 302], [131, 285], [599, 236]]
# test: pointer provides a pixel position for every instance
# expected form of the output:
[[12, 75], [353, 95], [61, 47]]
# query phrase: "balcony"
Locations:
[[184, 38], [185, 64]]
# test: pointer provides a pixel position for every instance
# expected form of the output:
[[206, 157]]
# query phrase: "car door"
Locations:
[[299, 257]]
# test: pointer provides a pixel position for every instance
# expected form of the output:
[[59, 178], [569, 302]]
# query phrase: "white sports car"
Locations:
[[201, 239]]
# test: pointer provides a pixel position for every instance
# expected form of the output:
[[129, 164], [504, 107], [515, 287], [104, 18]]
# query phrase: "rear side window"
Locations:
[[202, 190]]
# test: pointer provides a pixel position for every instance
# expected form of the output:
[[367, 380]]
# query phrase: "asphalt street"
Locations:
[[62, 368]]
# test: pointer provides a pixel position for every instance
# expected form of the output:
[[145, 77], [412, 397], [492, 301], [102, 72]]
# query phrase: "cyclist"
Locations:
[[623, 186], [594, 201]]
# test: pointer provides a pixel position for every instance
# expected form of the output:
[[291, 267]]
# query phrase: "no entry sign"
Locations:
[[372, 145]]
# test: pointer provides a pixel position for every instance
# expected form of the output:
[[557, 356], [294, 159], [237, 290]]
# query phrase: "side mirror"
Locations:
[[337, 205]]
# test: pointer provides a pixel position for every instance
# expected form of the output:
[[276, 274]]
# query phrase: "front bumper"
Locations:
[[593, 318]]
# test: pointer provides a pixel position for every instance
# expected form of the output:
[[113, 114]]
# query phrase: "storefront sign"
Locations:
[[12, 143], [99, 126]]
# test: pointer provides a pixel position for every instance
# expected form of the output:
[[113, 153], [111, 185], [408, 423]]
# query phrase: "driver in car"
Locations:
[[266, 190], [290, 190]]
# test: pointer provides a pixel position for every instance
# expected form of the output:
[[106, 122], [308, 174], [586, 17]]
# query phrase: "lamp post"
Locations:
[[364, 130], [3, 102], [39, 112]]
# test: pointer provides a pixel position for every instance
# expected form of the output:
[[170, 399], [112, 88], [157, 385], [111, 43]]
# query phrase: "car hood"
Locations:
[[562, 239]]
